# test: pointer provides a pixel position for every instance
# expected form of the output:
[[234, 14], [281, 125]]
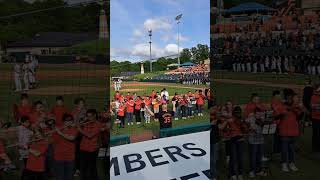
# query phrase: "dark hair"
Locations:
[[59, 98], [38, 102], [276, 92], [78, 100], [24, 96], [92, 111], [23, 119], [258, 110], [66, 116], [253, 95]]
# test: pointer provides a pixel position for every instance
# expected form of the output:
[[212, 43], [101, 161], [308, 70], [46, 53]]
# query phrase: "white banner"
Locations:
[[175, 158]]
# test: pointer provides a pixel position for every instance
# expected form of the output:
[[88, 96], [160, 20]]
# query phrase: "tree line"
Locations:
[[69, 19], [195, 54]]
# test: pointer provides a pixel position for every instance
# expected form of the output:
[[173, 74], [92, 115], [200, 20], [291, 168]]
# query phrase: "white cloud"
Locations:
[[137, 33], [157, 24], [182, 38], [172, 49]]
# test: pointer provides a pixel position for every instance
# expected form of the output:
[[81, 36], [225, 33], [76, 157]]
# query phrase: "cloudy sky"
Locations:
[[130, 21]]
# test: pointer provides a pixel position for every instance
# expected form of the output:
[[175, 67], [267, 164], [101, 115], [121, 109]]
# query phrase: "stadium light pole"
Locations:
[[178, 22], [150, 42]]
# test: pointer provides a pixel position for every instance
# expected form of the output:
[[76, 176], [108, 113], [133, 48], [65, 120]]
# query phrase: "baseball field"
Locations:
[[146, 131], [238, 87], [69, 80]]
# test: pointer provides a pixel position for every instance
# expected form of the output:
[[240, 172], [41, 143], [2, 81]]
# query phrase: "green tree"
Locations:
[[185, 55]]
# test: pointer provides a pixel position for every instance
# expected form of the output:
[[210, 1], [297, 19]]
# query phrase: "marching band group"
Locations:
[[234, 127], [59, 143], [132, 105]]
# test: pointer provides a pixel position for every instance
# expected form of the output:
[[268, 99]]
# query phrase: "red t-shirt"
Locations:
[[64, 150], [250, 108], [130, 106], [91, 145], [117, 96], [35, 163], [289, 126], [24, 110], [200, 99], [34, 117], [128, 97], [121, 111], [58, 112], [2, 150], [315, 104], [138, 104]]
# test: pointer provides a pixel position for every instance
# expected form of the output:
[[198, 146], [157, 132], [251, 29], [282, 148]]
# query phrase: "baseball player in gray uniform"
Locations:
[[17, 77], [25, 71]]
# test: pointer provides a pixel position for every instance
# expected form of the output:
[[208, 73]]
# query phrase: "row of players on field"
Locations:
[[60, 142], [25, 74], [277, 64], [232, 126], [183, 106]]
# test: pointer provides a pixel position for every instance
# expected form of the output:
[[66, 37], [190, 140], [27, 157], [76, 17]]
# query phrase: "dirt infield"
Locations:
[[130, 90], [66, 90], [157, 85]]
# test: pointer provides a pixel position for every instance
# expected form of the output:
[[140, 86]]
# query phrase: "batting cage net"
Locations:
[[58, 64]]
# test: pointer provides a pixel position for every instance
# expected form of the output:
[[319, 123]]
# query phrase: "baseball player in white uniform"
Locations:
[[17, 77], [25, 71], [32, 70]]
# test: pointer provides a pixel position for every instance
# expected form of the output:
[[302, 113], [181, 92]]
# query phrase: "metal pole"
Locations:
[[150, 42], [178, 44]]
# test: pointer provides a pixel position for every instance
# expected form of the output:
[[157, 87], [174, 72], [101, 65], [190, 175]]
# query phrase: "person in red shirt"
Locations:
[[253, 104], [289, 130], [64, 148], [183, 105], [137, 109], [315, 118], [153, 94], [236, 132], [89, 145], [128, 96], [59, 110], [35, 167], [38, 114], [117, 95], [200, 100], [79, 114], [120, 114], [24, 108], [129, 111]]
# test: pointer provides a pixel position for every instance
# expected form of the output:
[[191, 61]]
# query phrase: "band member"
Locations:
[[200, 99], [137, 109], [64, 148], [89, 145], [24, 136], [289, 131], [38, 114], [24, 108], [35, 168], [59, 110], [315, 117]]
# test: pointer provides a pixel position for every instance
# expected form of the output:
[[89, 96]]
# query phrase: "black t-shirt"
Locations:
[[165, 119]]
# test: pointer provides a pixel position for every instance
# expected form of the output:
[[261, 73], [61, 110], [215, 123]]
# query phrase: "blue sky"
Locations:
[[131, 19]]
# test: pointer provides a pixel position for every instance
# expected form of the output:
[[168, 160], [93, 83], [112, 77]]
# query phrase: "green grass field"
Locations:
[[306, 161], [154, 126], [75, 75], [265, 77]]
